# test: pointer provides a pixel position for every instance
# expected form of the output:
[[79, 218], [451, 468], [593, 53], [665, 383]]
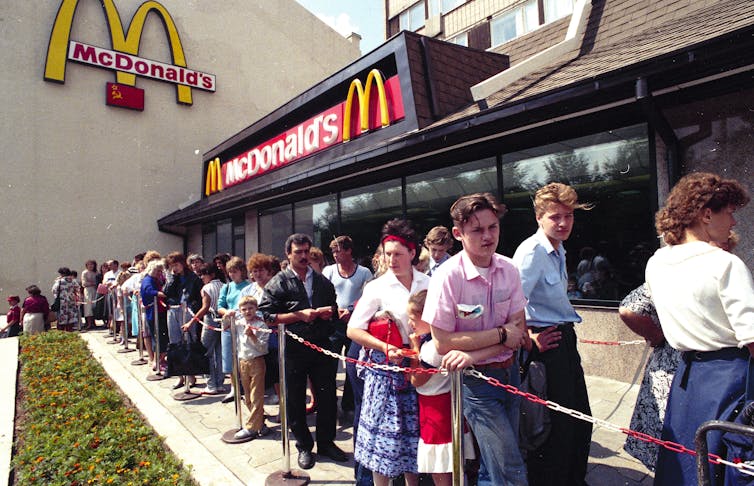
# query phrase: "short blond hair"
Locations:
[[557, 193], [247, 300]]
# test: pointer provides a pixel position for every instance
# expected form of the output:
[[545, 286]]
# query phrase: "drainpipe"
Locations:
[[562, 52], [660, 124]]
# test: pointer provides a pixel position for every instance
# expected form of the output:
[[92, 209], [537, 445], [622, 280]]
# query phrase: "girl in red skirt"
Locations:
[[435, 450]]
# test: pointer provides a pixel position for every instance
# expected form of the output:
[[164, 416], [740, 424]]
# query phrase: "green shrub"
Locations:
[[74, 428]]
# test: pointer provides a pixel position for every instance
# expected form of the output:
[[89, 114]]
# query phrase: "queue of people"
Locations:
[[474, 308]]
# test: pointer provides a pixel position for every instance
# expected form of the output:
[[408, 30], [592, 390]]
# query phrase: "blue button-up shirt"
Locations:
[[545, 281]]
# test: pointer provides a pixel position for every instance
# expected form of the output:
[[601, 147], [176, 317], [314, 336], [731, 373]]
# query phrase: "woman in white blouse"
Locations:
[[705, 300], [388, 427]]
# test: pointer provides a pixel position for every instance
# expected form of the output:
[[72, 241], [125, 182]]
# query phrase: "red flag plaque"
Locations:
[[125, 96]]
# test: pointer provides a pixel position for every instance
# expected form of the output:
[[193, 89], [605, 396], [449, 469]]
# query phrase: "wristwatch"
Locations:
[[270, 319]]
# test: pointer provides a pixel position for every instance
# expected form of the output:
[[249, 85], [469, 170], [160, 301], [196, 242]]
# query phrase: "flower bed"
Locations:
[[73, 426]]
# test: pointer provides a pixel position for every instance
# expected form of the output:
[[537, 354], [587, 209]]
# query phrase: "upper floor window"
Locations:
[[557, 9], [413, 18], [514, 23], [461, 39], [437, 7]]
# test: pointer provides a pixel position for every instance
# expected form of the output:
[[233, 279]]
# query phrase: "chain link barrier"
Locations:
[[612, 343], [744, 467]]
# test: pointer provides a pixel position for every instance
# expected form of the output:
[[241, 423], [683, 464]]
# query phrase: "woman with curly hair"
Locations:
[[388, 430], [704, 298]]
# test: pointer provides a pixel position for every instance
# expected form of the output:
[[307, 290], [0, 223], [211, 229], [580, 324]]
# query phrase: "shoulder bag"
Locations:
[[55, 307], [187, 357], [534, 419]]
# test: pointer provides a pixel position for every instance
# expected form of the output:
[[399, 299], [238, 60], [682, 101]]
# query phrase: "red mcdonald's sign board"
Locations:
[[370, 106]]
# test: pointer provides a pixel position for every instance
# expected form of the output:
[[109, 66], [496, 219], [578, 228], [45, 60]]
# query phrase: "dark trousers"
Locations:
[[563, 459], [362, 475], [302, 363]]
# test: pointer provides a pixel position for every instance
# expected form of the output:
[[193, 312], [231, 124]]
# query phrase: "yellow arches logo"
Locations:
[[122, 42], [214, 182], [364, 96]]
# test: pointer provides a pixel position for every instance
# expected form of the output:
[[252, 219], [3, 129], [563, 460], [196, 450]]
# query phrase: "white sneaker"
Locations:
[[245, 434]]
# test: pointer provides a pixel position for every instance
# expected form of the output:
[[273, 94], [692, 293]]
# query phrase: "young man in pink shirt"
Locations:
[[475, 303]]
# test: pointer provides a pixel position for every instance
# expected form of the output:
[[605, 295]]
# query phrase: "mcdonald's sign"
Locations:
[[328, 128], [123, 57], [214, 182]]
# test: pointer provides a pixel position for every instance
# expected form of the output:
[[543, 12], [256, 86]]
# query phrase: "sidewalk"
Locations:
[[193, 429]]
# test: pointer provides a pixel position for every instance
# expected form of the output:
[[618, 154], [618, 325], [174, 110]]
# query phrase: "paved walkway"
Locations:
[[193, 429]]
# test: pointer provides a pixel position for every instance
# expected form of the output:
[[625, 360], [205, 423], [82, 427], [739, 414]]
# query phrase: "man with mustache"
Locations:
[[305, 302]]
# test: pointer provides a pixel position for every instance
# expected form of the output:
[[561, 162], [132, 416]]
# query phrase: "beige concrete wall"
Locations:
[[84, 180], [623, 363]]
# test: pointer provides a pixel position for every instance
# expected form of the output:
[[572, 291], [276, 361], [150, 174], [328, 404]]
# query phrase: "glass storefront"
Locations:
[[609, 245]]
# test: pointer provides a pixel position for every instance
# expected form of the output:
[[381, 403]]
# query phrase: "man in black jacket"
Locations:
[[305, 302]]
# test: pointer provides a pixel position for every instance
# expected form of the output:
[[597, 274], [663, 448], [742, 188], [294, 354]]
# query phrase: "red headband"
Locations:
[[402, 241]]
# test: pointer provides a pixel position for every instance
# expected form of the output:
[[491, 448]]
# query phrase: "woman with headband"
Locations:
[[388, 433]]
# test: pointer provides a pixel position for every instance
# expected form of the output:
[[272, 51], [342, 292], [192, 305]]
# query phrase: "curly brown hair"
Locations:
[[261, 261], [693, 193]]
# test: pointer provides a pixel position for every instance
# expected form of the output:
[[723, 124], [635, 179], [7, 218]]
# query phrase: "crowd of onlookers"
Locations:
[[421, 307]]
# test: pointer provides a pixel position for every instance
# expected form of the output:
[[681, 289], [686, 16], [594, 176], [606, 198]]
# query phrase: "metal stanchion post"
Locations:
[[158, 374], [139, 334], [235, 377], [186, 394], [286, 476], [126, 324], [456, 416], [112, 300]]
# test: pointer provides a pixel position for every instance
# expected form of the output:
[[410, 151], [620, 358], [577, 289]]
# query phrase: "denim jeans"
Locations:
[[492, 414], [211, 341]]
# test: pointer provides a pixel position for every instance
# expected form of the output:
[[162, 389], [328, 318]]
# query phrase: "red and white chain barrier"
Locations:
[[612, 343], [744, 467]]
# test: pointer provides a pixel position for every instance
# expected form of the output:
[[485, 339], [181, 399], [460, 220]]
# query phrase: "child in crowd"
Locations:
[[438, 241], [435, 450], [13, 318], [252, 346]]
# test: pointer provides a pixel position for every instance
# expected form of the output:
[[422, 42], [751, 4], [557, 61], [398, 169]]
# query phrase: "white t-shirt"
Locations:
[[437, 383], [348, 289], [704, 297]]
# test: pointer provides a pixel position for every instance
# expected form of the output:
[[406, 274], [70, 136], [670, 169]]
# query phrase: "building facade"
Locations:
[[84, 178], [618, 98]]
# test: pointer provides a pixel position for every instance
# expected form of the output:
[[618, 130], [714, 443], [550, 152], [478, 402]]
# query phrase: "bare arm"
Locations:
[[642, 325], [456, 360], [447, 341]]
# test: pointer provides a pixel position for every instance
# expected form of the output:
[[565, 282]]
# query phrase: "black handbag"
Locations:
[[188, 357], [55, 307], [534, 419]]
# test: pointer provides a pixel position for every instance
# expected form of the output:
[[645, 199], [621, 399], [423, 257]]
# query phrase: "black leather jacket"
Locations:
[[191, 283], [285, 293]]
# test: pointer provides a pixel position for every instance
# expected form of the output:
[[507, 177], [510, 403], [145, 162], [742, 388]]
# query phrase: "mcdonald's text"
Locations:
[[322, 131], [119, 61]]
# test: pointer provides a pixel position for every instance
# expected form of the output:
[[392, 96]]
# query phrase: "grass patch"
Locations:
[[74, 427]]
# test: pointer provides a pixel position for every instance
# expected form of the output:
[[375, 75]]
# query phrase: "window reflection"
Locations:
[[429, 195], [364, 211], [275, 225], [610, 244], [317, 218]]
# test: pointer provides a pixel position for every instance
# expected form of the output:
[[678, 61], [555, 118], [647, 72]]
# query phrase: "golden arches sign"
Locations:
[[364, 96], [128, 43], [214, 182]]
